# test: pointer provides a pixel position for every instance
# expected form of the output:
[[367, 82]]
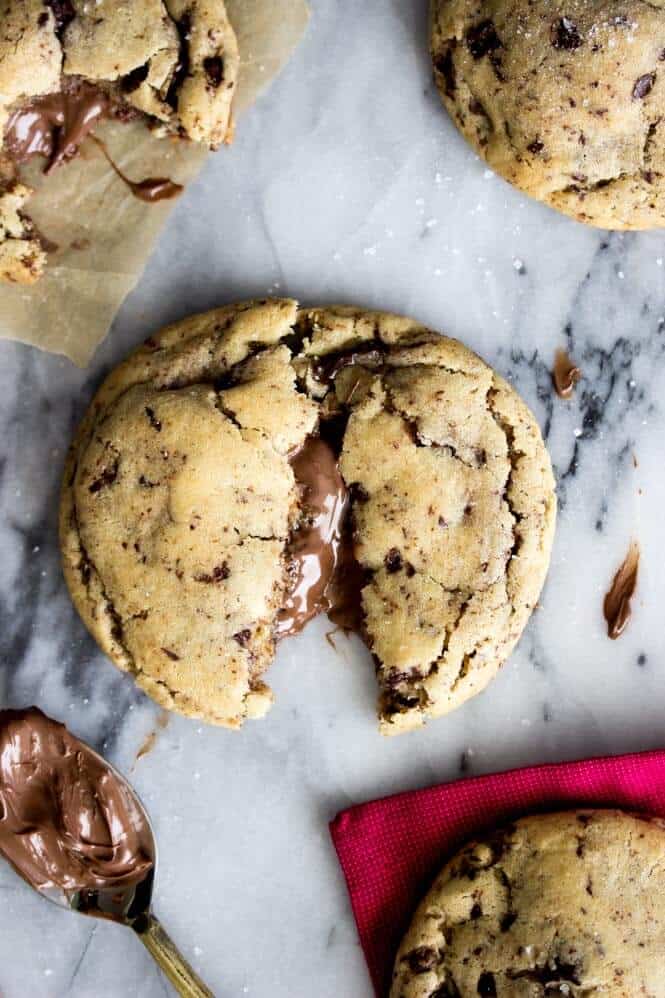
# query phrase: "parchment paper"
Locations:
[[104, 234]]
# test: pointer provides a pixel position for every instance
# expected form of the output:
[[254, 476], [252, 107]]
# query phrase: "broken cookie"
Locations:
[[67, 64], [568, 903], [253, 466], [564, 100], [22, 256]]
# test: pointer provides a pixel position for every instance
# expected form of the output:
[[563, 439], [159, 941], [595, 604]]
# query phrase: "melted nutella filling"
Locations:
[[69, 824], [54, 126], [565, 375], [322, 567], [616, 606]]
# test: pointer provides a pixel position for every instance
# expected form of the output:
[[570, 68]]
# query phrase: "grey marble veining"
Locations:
[[346, 182]]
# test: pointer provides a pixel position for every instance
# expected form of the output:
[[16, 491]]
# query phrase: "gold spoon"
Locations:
[[38, 757]]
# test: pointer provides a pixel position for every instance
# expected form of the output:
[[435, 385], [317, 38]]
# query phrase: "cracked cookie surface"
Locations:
[[180, 502], [565, 100], [568, 903]]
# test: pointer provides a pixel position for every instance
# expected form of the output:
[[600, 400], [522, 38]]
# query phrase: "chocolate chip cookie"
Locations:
[[566, 100], [253, 466], [66, 64], [567, 903]]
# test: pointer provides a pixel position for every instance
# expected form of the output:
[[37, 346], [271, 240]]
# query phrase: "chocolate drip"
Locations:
[[565, 375], [151, 189], [323, 572], [54, 126], [69, 824], [616, 605]]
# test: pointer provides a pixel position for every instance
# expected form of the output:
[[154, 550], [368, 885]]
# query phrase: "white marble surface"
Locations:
[[347, 182]]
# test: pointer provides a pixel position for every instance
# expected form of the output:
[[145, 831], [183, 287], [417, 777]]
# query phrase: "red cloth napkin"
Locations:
[[391, 850]]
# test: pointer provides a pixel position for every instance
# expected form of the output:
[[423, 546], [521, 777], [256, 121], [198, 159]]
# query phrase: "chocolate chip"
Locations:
[[476, 912], [487, 985], [445, 65], [508, 920], [359, 494], [536, 147], [42, 19], [171, 654], [213, 67], [63, 12], [482, 39], [422, 959], [218, 574], [242, 637], [107, 477], [565, 34], [643, 86], [154, 422], [146, 483], [393, 561], [132, 81]]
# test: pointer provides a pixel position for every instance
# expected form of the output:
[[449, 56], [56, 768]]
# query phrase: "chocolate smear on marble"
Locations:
[[565, 375], [69, 824], [323, 573], [151, 738], [617, 602]]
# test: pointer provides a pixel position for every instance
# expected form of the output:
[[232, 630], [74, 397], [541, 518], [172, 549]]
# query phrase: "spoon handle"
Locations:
[[165, 954]]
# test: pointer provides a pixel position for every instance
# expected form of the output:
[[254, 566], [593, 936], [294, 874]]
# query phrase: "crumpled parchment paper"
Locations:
[[103, 233]]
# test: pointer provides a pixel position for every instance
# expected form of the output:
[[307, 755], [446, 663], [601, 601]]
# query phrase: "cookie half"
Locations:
[[257, 464], [569, 903], [66, 64], [564, 100]]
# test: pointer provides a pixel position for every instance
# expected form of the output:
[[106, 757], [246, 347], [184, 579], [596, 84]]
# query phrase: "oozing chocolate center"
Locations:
[[55, 125], [68, 822], [315, 550]]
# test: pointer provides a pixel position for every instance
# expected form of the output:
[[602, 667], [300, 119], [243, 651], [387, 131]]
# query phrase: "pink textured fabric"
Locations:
[[390, 850]]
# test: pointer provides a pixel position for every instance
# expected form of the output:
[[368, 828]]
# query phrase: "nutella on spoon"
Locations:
[[68, 822], [74, 829]]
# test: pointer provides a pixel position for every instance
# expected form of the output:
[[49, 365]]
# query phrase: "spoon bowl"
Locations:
[[76, 831]]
